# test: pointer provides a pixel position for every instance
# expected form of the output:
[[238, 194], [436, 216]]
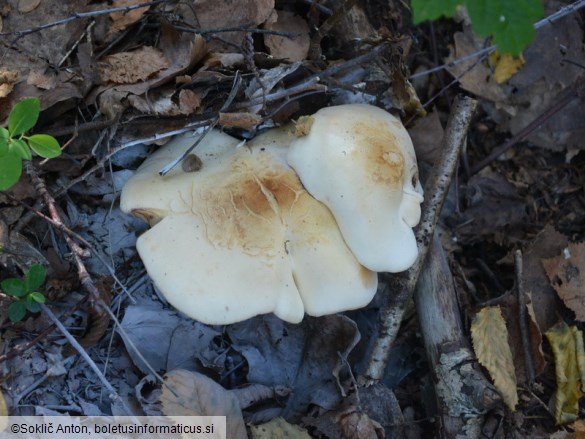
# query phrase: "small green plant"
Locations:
[[15, 146], [510, 22], [25, 292]]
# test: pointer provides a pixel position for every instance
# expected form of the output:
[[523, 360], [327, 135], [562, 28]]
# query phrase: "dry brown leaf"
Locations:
[[188, 393], [357, 425], [490, 343], [42, 81], [425, 135], [245, 121], [122, 20], [25, 6], [216, 14], [294, 49], [278, 429], [7, 80], [223, 60], [132, 67], [567, 276]]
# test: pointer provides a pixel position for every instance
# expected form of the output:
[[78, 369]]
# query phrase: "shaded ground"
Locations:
[[110, 80]]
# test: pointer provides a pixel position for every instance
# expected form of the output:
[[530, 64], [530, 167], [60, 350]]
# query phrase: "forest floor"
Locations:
[[115, 85]]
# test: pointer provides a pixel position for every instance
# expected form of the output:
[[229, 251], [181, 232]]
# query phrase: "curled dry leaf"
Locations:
[[193, 394], [245, 121], [490, 342], [7, 80], [294, 49], [132, 67], [567, 276]]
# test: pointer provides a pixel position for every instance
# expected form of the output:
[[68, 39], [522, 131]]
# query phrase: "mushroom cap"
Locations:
[[360, 162], [241, 236]]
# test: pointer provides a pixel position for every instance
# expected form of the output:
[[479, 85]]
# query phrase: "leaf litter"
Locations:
[[149, 70]]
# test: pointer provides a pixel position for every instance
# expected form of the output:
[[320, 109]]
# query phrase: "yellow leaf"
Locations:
[[505, 66], [3, 413], [490, 342], [567, 345], [278, 429]]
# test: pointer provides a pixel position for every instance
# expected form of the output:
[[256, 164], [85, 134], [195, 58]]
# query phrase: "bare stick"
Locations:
[[522, 322], [400, 287], [80, 15], [112, 392]]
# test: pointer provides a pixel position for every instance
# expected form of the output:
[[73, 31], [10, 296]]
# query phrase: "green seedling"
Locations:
[[25, 293], [15, 146], [509, 22]]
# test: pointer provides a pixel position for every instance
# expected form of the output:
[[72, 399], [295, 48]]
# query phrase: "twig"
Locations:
[[113, 394], [63, 228], [400, 287], [76, 251], [564, 11], [215, 120], [522, 322], [291, 35], [79, 16], [566, 96]]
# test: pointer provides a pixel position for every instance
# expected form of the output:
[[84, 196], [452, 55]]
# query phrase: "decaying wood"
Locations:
[[464, 394]]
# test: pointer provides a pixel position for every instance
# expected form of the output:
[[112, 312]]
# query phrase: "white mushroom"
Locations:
[[359, 161], [241, 236]]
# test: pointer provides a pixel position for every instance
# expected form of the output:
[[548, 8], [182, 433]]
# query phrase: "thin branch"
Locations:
[[522, 322], [400, 287], [564, 99], [113, 394], [79, 16]]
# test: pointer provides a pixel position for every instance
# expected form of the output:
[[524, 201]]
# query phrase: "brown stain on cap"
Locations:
[[377, 151]]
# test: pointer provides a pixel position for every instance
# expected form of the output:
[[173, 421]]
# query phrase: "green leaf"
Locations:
[[20, 148], [10, 170], [16, 311], [31, 305], [44, 145], [13, 287], [24, 116], [38, 297], [4, 137], [423, 10], [510, 22], [35, 277]]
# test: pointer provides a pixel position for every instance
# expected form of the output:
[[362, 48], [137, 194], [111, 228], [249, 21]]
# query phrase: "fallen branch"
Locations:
[[400, 287]]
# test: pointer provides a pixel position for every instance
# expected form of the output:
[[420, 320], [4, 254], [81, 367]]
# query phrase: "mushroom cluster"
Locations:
[[298, 220]]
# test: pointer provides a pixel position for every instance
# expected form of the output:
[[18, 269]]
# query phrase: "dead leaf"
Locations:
[[567, 276], [293, 49], [42, 81], [25, 6], [245, 121], [426, 135], [301, 357], [223, 60], [567, 345], [473, 75], [193, 394], [132, 67], [122, 20], [217, 14], [505, 66], [278, 429], [7, 80], [490, 343], [357, 425]]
